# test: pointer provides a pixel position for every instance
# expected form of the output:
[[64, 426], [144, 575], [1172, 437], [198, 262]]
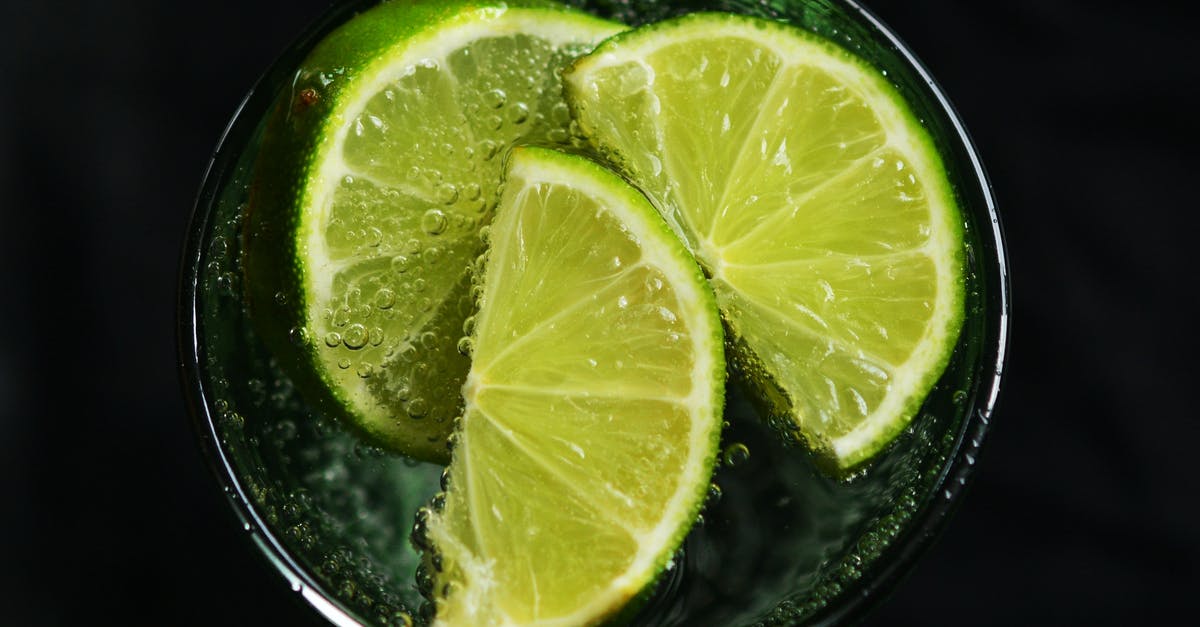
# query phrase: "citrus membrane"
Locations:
[[814, 200], [376, 173], [593, 405]]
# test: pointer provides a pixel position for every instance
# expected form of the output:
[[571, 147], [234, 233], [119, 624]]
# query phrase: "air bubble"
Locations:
[[465, 346], [365, 370], [355, 337], [401, 264], [225, 283], [488, 149], [385, 298], [418, 407], [375, 337], [434, 221], [402, 391], [472, 191], [518, 113], [218, 247], [447, 194], [735, 454], [344, 364], [429, 340], [714, 495], [233, 419], [285, 430], [495, 98], [560, 114], [298, 336], [333, 339]]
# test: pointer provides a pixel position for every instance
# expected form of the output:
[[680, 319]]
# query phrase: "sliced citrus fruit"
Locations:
[[814, 200], [593, 405], [374, 177]]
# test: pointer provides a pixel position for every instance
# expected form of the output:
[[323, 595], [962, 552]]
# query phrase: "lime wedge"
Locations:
[[375, 176], [593, 405], [814, 200]]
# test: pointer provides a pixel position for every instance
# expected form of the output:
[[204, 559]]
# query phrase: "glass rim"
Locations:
[[879, 578], [957, 472], [197, 397]]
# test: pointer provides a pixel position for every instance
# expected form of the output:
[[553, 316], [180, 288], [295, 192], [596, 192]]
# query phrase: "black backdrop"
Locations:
[[1084, 507]]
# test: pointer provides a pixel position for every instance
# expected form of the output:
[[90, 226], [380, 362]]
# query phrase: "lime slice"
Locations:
[[593, 405], [814, 200], [375, 175]]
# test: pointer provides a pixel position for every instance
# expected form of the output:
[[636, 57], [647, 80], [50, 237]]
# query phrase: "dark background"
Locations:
[[1084, 507]]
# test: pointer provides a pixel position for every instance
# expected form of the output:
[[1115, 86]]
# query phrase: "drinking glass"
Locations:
[[783, 544]]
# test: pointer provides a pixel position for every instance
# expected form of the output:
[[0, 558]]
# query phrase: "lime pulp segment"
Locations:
[[813, 198], [593, 405]]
